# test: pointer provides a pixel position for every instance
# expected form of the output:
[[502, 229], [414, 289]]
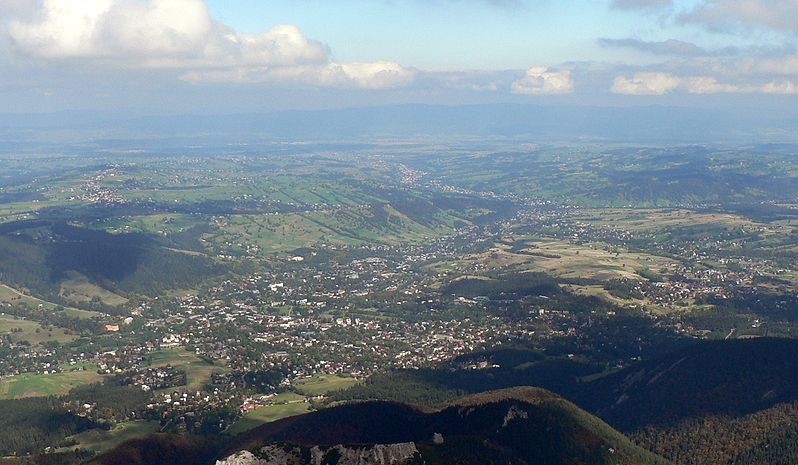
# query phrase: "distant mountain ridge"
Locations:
[[624, 124]]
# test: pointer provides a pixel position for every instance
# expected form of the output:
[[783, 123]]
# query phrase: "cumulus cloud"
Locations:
[[182, 34], [372, 75], [107, 28], [544, 81], [646, 83], [708, 85]]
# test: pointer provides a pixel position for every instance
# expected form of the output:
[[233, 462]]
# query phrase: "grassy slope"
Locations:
[[289, 403], [198, 371], [321, 384], [281, 406], [9, 325], [99, 441], [33, 385]]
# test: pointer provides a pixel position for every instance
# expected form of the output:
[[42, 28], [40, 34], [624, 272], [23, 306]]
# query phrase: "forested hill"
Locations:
[[735, 377], [520, 425]]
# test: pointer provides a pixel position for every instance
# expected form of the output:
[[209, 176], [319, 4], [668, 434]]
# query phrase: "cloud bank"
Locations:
[[658, 83], [181, 34], [181, 41]]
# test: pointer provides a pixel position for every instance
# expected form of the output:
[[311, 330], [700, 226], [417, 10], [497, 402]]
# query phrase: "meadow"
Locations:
[[35, 385], [11, 296], [198, 371], [98, 440], [323, 384], [31, 331], [293, 402]]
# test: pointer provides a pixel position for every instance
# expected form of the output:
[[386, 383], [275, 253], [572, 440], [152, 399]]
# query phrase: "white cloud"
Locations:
[[708, 85], [542, 81], [282, 45], [181, 34], [646, 83], [155, 33], [780, 87], [374, 75], [658, 83], [114, 28]]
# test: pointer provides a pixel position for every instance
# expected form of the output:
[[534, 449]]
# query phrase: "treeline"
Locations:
[[776, 306], [57, 317], [60, 458], [435, 386], [110, 403], [402, 386], [29, 426], [505, 286]]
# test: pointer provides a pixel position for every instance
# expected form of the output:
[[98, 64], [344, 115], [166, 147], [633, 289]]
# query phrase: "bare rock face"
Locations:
[[379, 454], [244, 457], [515, 413]]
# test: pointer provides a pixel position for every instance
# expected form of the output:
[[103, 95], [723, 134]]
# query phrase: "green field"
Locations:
[[77, 288], [198, 371], [82, 314], [32, 331], [321, 384], [292, 403], [32, 385], [344, 226], [98, 440], [282, 405], [9, 295]]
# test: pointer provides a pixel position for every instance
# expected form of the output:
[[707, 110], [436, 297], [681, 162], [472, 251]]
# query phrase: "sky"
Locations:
[[228, 56]]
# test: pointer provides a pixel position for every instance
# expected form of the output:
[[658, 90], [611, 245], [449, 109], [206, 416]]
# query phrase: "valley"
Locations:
[[218, 294]]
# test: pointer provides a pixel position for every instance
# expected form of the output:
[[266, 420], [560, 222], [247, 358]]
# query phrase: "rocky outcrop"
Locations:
[[379, 454], [515, 413], [244, 457]]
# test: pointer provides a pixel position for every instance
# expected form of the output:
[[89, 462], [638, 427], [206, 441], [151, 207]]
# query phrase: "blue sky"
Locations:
[[229, 55], [441, 34]]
